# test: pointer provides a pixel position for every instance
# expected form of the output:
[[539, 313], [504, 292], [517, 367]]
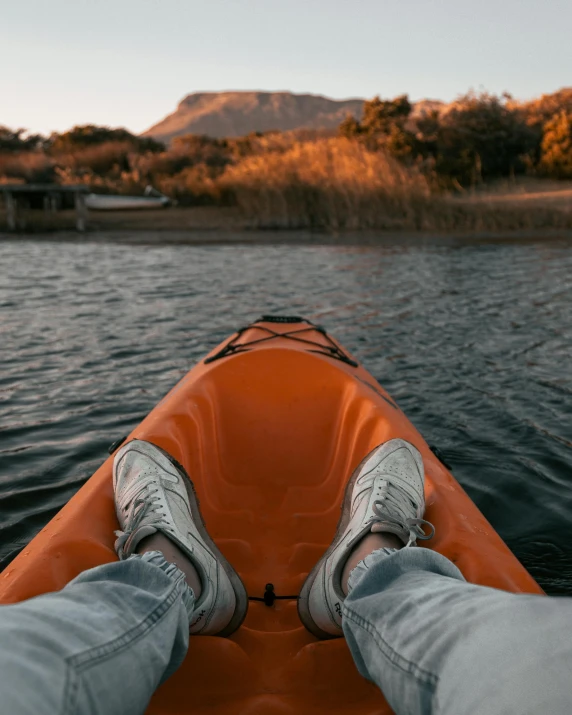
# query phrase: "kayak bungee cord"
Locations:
[[270, 596], [233, 347]]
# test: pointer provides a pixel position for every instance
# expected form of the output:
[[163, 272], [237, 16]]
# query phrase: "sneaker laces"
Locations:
[[143, 511], [385, 510]]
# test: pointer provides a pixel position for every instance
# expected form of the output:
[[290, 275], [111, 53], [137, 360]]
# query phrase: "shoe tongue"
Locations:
[[138, 536]]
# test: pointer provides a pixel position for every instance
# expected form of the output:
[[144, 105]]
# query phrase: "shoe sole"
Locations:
[[240, 594], [304, 597]]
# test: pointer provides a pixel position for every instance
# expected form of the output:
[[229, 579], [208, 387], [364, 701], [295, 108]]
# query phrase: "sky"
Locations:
[[129, 62]]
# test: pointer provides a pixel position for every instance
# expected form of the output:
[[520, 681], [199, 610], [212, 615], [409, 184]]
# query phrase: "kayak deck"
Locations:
[[270, 430]]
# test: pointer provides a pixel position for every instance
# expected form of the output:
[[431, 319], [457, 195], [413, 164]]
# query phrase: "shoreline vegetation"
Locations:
[[483, 165]]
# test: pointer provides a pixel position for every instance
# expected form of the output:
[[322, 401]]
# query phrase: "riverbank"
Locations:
[[298, 238], [519, 208], [523, 211]]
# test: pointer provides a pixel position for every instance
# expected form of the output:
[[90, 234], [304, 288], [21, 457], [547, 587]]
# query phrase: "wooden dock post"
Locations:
[[10, 210], [81, 211]]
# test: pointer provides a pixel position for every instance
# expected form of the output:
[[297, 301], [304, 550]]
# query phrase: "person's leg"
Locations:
[[432, 642], [157, 508], [101, 645], [383, 506], [104, 643], [436, 644]]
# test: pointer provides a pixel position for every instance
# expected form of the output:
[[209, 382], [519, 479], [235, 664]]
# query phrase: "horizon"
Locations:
[[29, 131], [131, 63]]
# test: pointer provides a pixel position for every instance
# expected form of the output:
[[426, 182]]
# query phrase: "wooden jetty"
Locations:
[[51, 198]]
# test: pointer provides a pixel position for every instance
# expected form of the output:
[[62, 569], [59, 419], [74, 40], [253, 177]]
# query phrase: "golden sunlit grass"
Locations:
[[336, 184], [329, 183]]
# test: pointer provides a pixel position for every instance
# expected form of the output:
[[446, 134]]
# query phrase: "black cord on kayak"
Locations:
[[440, 456], [301, 335], [270, 596], [118, 442]]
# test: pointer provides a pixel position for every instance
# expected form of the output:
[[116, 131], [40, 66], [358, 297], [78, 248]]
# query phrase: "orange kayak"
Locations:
[[270, 426]]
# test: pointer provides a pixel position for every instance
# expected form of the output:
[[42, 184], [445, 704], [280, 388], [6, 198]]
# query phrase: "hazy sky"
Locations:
[[129, 62]]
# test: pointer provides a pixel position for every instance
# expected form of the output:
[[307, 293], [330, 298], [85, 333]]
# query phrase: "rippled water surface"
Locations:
[[472, 341]]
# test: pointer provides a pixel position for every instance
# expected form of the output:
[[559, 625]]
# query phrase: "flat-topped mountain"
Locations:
[[230, 114], [234, 114]]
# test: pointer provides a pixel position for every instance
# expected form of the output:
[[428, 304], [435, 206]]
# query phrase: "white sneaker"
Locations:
[[384, 494], [153, 493]]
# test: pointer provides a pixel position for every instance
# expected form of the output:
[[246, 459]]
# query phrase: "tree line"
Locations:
[[475, 140]]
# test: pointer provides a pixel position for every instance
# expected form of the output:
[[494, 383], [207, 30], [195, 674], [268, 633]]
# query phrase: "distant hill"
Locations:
[[228, 114], [234, 114]]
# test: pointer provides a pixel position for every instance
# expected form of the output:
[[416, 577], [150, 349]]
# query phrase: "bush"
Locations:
[[539, 111], [201, 149], [556, 148], [381, 116], [19, 141], [27, 167], [383, 127], [90, 135], [479, 138], [195, 186], [109, 158]]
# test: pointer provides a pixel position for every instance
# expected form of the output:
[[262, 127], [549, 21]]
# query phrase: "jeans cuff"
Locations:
[[174, 573], [370, 560]]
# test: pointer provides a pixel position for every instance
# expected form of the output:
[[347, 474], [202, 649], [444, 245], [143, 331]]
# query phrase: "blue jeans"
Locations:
[[432, 642], [101, 645], [436, 644]]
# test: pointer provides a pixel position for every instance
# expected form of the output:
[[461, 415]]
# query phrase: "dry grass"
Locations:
[[330, 184], [335, 184], [460, 216]]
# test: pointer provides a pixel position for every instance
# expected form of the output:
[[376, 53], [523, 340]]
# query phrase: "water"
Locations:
[[473, 341]]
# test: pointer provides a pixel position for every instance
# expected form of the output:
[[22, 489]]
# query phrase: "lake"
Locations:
[[472, 340]]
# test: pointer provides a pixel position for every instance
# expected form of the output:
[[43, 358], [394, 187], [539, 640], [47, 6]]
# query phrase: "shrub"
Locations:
[[381, 116], [195, 186], [383, 126], [350, 128], [201, 149], [90, 135], [29, 167], [479, 138], [556, 148], [109, 158], [19, 140], [539, 111]]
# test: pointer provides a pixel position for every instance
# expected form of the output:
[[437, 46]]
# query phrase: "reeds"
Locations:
[[337, 184], [330, 184]]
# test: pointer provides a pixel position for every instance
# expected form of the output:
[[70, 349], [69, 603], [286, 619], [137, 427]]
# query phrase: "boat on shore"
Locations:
[[270, 426], [151, 199]]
